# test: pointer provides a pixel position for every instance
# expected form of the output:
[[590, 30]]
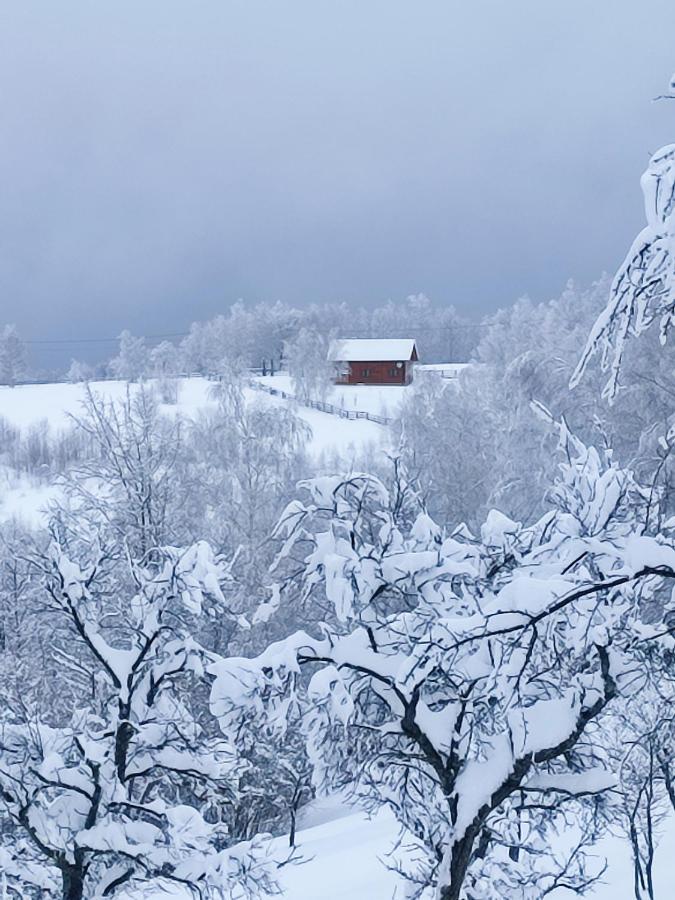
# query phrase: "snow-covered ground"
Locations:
[[380, 399], [342, 859], [26, 405], [346, 860], [54, 403], [345, 856], [23, 498]]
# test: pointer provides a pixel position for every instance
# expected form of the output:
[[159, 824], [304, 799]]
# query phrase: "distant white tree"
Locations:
[[127, 486], [222, 338], [12, 356], [258, 333], [440, 333], [132, 361], [462, 682], [164, 360], [306, 358], [79, 371], [165, 366]]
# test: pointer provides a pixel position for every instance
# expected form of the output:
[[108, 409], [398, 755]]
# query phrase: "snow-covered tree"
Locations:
[[245, 458], [164, 360], [306, 358], [165, 366], [129, 790], [474, 443], [25, 635], [463, 681], [127, 484], [644, 760], [223, 338], [643, 290], [642, 294], [132, 361], [12, 356], [78, 372]]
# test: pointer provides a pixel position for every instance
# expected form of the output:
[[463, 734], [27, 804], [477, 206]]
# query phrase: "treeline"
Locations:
[[257, 335], [483, 444]]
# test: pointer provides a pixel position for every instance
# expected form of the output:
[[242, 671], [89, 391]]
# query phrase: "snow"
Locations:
[[345, 861], [341, 437], [345, 858], [379, 399], [643, 552], [480, 779], [55, 404], [24, 499], [372, 350]]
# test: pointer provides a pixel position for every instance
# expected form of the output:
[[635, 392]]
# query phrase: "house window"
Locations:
[[365, 373], [394, 372]]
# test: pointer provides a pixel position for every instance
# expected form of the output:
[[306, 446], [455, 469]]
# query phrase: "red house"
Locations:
[[381, 361]]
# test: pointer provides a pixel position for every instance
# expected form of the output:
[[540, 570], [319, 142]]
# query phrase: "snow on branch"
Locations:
[[458, 678], [643, 290], [119, 795]]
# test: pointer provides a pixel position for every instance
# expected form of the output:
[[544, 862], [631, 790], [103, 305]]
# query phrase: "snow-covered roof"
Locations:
[[371, 350]]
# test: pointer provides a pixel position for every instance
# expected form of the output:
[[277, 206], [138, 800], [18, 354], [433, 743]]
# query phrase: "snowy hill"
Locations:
[[347, 860], [27, 405], [346, 857], [378, 399]]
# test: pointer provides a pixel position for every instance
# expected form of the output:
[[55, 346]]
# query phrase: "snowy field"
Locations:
[[382, 400], [27, 405], [23, 498]]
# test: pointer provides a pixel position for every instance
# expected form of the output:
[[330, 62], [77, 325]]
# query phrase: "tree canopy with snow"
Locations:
[[127, 791], [12, 356], [462, 679]]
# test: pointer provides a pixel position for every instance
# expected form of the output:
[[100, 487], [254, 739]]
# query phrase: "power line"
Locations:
[[180, 334], [114, 340]]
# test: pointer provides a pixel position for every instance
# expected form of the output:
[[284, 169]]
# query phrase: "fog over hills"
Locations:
[[160, 161]]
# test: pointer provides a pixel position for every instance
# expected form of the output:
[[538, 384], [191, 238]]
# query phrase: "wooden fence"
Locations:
[[321, 405], [329, 408]]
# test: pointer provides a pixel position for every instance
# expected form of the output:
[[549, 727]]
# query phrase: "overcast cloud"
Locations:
[[158, 160]]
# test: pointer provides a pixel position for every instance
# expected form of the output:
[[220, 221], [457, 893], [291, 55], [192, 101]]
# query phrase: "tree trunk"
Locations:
[[459, 863], [291, 836], [125, 732], [73, 882], [295, 803]]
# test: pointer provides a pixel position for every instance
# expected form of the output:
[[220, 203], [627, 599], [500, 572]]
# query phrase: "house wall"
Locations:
[[376, 373]]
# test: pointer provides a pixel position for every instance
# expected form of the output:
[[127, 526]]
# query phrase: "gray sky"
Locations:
[[160, 159]]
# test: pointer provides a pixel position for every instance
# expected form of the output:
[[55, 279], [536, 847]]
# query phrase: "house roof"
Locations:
[[378, 350]]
